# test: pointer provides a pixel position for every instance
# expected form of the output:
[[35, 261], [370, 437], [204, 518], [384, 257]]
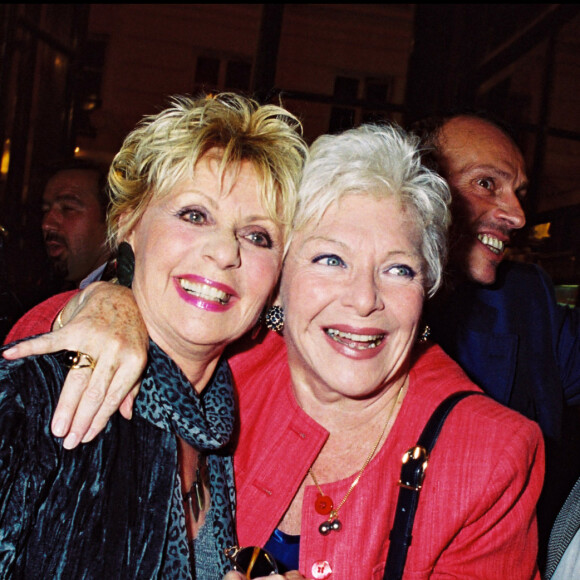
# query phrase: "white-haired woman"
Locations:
[[202, 195], [328, 410]]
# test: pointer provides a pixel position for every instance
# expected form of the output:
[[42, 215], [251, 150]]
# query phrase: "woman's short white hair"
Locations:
[[379, 160]]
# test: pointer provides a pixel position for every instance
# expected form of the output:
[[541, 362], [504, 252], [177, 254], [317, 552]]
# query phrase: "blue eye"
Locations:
[[329, 260], [402, 270], [260, 239], [195, 216]]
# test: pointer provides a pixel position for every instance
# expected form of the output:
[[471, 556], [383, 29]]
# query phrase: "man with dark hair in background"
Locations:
[[499, 319], [74, 205]]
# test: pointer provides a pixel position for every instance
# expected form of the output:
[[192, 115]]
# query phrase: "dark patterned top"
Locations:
[[111, 508]]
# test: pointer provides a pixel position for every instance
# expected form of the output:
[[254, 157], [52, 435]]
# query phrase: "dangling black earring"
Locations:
[[125, 264], [274, 319]]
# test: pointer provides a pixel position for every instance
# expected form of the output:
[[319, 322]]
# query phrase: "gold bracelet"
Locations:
[[59, 319]]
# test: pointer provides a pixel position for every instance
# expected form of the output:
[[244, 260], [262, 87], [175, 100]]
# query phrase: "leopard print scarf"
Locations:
[[206, 422]]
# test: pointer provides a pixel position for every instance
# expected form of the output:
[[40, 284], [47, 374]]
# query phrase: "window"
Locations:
[[345, 91], [90, 82], [377, 91], [377, 95], [238, 75]]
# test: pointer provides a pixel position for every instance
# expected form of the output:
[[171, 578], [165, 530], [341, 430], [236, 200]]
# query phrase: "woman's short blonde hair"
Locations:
[[164, 148]]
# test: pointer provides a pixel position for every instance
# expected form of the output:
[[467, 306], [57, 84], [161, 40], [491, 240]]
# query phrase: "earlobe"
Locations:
[[276, 302], [129, 238]]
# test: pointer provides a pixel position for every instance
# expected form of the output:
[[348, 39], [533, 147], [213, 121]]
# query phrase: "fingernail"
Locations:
[[127, 407], [89, 436], [71, 441], [59, 428], [130, 409]]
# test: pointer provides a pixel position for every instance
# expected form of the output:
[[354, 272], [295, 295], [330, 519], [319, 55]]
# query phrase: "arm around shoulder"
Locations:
[[103, 322]]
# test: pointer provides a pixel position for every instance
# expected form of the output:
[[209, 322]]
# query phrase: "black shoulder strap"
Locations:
[[412, 475]]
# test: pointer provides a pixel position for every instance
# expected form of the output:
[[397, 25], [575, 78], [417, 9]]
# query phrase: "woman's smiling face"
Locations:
[[352, 289], [207, 257]]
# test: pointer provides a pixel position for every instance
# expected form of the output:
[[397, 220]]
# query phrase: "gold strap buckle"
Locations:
[[415, 463]]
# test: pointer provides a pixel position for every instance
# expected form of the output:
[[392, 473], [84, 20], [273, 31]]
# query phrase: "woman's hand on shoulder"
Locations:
[[104, 322]]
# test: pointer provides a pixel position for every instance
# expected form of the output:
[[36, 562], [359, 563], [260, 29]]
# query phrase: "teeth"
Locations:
[[355, 341], [204, 291], [495, 245]]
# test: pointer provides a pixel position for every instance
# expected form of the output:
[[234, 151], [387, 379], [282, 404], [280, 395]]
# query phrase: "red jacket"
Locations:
[[476, 515], [40, 319]]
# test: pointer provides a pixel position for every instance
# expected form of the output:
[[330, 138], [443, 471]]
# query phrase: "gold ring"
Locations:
[[79, 360]]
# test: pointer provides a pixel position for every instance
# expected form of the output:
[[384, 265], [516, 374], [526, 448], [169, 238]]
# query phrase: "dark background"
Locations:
[[74, 79]]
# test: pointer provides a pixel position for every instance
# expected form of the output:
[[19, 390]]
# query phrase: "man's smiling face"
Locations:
[[486, 174]]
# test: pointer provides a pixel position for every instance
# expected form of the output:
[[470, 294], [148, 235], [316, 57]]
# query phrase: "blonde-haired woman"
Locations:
[[201, 198]]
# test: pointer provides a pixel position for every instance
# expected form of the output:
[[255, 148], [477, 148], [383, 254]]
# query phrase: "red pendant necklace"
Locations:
[[324, 504]]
